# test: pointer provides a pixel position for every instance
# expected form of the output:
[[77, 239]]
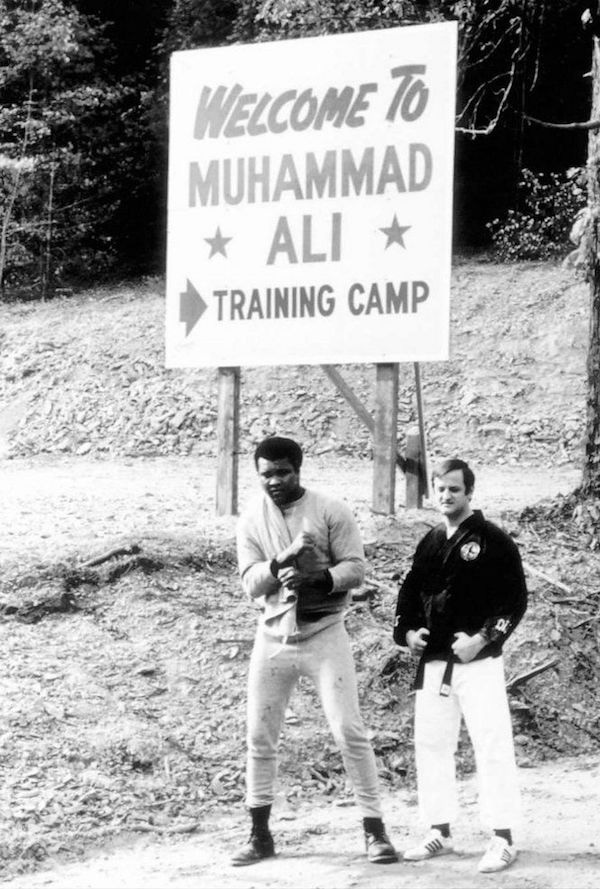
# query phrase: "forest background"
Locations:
[[84, 120]]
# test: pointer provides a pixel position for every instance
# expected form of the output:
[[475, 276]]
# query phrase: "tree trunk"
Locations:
[[6, 219], [47, 260], [591, 471]]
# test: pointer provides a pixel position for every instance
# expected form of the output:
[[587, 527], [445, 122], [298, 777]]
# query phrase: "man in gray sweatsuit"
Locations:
[[299, 554]]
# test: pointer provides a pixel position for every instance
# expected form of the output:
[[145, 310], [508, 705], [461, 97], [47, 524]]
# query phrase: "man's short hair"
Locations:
[[450, 465], [278, 448]]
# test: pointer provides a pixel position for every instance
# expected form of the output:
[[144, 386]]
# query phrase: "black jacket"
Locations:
[[473, 582]]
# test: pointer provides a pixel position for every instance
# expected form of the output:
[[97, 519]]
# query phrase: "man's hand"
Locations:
[[302, 543], [292, 579], [417, 640], [467, 647]]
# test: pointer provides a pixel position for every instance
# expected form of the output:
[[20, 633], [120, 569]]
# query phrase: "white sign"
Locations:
[[310, 200]]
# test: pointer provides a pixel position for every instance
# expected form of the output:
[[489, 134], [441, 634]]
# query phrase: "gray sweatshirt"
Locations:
[[338, 547]]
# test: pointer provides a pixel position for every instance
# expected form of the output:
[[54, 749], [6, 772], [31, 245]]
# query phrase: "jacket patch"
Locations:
[[470, 551]]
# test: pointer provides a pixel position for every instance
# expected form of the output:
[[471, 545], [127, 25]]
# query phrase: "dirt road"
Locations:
[[319, 847], [56, 506]]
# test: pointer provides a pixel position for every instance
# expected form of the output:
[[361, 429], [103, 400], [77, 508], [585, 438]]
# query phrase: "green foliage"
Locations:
[[279, 19], [72, 148], [196, 23], [84, 109], [540, 227]]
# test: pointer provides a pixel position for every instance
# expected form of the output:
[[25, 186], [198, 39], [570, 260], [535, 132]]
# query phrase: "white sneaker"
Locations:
[[432, 845], [498, 856]]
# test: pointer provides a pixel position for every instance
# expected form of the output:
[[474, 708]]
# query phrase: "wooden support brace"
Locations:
[[356, 404], [228, 431], [348, 393]]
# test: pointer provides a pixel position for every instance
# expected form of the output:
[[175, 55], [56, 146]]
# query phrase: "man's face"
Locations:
[[451, 497], [279, 480]]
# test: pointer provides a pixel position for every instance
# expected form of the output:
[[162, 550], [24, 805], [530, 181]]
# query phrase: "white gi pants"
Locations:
[[478, 694], [326, 658]]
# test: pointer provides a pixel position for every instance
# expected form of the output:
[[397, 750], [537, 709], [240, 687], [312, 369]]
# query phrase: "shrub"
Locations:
[[540, 228]]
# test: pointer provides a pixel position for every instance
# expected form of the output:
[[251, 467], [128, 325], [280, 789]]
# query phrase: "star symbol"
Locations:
[[395, 233], [217, 244]]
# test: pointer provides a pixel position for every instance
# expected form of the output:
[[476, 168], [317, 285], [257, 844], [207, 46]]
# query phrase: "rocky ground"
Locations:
[[122, 684]]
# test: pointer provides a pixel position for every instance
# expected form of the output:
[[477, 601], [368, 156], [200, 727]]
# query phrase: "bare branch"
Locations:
[[574, 125], [506, 38], [484, 54], [131, 550], [525, 677], [557, 583], [478, 97]]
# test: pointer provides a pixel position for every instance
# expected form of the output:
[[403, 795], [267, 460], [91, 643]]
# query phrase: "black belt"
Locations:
[[446, 678]]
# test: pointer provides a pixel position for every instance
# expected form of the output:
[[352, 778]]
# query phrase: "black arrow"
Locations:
[[191, 307]]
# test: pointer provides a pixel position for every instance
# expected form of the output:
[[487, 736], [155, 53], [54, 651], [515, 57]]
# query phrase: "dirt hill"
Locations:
[[85, 375], [124, 679]]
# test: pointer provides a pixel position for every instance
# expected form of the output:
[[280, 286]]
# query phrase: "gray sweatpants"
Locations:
[[326, 658]]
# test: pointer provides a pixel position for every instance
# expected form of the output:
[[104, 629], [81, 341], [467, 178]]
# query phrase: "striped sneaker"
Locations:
[[432, 845], [498, 856]]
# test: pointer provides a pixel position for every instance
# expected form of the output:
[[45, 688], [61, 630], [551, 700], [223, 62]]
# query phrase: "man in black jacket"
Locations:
[[461, 600]]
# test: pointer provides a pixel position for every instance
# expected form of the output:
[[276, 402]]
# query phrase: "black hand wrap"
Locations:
[[323, 584]]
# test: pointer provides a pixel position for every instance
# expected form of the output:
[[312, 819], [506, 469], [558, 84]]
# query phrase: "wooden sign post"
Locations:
[[383, 427], [414, 469], [228, 433], [423, 462], [385, 439]]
